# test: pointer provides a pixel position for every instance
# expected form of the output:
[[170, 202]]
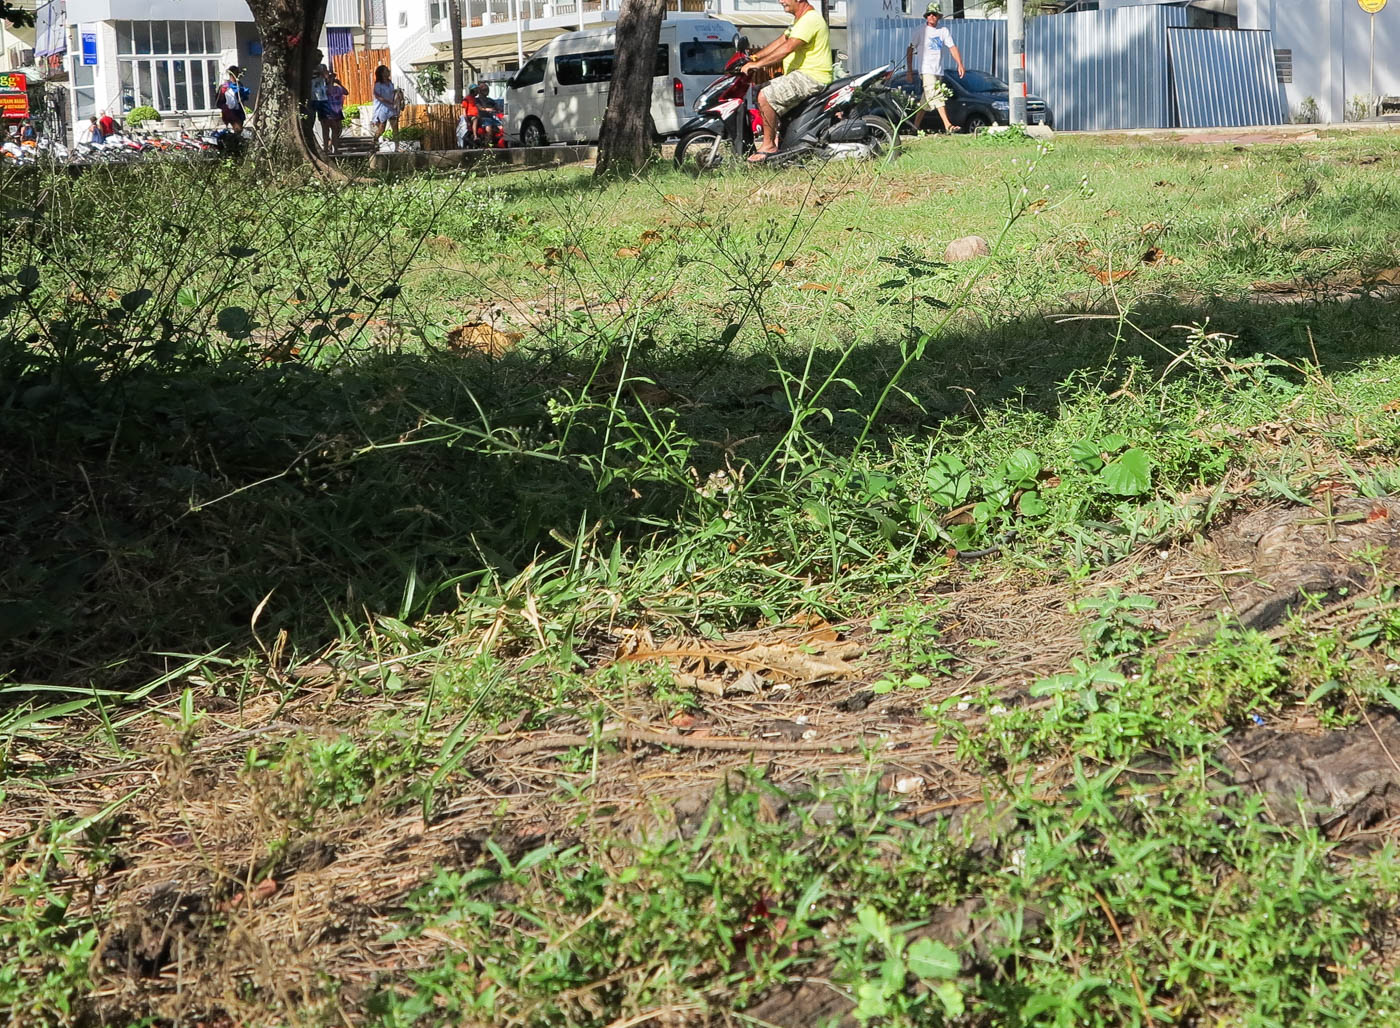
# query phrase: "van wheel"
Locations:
[[532, 133]]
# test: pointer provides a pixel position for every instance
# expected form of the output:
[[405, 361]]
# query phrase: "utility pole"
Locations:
[[1016, 59], [454, 16]]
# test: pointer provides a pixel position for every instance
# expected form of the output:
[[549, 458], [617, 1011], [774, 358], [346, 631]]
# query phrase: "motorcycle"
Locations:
[[853, 117]]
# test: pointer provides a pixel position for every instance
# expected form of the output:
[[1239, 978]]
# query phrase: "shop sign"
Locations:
[[14, 96]]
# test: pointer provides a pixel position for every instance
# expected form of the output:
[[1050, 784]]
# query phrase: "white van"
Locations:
[[561, 93]]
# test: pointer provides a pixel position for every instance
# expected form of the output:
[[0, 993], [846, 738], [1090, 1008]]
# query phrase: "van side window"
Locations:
[[663, 60], [584, 69], [530, 75]]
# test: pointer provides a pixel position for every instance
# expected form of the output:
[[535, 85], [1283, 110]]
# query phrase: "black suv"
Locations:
[[979, 99]]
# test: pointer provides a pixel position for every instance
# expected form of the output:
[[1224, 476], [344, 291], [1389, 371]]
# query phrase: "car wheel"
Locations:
[[532, 133], [976, 122]]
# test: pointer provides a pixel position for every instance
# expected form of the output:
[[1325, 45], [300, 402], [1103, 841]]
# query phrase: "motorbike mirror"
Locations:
[[741, 42]]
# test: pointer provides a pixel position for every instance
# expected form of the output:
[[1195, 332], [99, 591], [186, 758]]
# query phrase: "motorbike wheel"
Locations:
[[703, 151], [881, 136]]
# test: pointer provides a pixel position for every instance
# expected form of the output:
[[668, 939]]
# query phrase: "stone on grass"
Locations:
[[967, 248]]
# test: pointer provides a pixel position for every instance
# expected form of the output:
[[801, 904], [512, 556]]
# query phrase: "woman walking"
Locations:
[[386, 106]]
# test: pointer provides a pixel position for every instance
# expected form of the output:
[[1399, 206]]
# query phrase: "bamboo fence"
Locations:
[[438, 121], [356, 73]]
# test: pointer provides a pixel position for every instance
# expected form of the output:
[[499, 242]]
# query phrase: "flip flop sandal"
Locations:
[[759, 156]]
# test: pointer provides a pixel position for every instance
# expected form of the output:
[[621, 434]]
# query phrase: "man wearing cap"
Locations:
[[930, 43], [805, 53]]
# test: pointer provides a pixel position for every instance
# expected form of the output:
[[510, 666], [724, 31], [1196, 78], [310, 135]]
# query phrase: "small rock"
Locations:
[[966, 249], [1040, 131]]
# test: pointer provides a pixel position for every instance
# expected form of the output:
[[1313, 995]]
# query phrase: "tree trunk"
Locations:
[[625, 144], [289, 30], [454, 15]]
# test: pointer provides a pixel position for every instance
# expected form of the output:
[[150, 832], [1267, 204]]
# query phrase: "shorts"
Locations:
[[787, 91], [936, 92], [382, 112], [233, 117], [322, 110]]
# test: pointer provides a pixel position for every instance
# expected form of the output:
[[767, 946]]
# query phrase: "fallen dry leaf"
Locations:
[[1153, 256], [482, 338], [1377, 513], [777, 330], [629, 251], [815, 287], [649, 238], [1107, 277]]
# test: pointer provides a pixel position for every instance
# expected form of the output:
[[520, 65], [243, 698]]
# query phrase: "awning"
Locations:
[[476, 48], [771, 19]]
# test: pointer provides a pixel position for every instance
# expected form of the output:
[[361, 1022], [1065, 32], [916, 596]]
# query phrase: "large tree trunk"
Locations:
[[289, 29], [625, 143], [454, 15]]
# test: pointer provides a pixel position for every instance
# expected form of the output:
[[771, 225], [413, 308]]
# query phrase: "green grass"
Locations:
[[247, 441]]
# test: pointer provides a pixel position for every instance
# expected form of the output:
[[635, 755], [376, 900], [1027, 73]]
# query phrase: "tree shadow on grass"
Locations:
[[159, 518]]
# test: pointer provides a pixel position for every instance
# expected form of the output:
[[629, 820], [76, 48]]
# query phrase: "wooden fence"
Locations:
[[438, 121], [356, 73]]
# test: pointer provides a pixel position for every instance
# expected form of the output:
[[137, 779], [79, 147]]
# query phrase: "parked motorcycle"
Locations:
[[853, 117]]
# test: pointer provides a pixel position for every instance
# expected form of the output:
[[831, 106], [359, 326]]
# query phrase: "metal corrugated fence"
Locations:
[[886, 40], [1102, 70], [1225, 78]]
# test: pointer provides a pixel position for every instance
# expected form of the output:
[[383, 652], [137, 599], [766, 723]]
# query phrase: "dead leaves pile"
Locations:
[[750, 662], [482, 337]]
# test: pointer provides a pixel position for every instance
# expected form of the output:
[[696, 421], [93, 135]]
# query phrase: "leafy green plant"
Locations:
[[882, 987], [142, 115], [431, 83]]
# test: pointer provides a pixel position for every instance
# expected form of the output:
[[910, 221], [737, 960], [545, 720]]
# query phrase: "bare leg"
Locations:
[[335, 134], [770, 123], [919, 119], [943, 113], [394, 124]]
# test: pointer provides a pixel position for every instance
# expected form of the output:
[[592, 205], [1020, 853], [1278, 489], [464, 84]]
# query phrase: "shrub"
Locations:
[[140, 115], [352, 111], [407, 134]]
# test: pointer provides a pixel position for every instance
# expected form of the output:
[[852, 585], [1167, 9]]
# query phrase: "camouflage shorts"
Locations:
[[936, 92]]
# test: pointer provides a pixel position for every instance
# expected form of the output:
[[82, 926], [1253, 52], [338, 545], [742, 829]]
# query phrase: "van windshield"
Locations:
[[705, 57]]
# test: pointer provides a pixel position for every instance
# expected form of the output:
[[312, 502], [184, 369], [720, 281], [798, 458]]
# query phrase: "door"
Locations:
[[579, 94], [525, 96]]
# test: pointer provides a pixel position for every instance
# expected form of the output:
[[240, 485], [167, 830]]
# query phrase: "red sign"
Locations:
[[14, 96]]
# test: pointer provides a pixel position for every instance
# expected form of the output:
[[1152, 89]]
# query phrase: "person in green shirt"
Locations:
[[804, 51]]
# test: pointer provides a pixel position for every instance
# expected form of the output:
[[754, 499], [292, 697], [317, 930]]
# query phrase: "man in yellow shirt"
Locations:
[[805, 53]]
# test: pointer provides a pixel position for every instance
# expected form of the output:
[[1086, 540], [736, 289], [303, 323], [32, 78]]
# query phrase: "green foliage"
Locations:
[[47, 944], [406, 134], [139, 116], [431, 83]]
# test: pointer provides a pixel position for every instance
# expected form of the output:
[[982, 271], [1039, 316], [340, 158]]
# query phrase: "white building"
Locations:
[[115, 55], [498, 34]]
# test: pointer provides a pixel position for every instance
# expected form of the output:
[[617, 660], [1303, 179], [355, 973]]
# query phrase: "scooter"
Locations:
[[853, 117]]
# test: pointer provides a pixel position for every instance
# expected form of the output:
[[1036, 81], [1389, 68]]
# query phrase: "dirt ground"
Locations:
[[200, 915]]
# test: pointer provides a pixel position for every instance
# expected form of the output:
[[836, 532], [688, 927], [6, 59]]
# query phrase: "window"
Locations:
[[1284, 60], [583, 69], [530, 75], [704, 58], [172, 66], [437, 13]]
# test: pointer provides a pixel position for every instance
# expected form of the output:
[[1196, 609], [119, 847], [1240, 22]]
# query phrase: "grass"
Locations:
[[352, 527]]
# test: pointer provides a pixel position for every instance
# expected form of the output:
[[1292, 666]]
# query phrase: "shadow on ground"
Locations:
[[156, 515]]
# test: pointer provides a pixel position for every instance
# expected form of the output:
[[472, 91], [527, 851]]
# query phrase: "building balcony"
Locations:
[[485, 18]]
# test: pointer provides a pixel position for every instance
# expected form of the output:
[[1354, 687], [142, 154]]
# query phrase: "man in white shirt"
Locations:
[[930, 43]]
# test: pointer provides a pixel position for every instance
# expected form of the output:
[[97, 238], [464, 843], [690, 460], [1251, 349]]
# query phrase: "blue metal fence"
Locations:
[[1123, 67], [1225, 78]]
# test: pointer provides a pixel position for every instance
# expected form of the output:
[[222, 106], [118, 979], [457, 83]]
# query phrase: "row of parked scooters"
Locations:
[[121, 148]]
